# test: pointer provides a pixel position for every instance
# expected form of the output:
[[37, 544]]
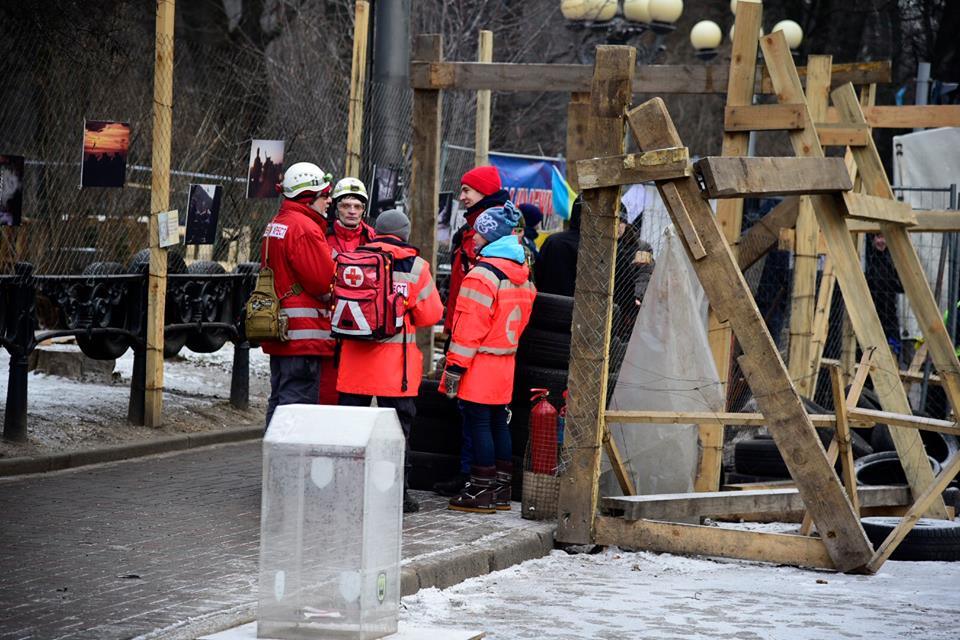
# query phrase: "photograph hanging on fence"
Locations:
[[384, 188], [265, 169], [105, 146], [444, 213], [11, 190], [203, 211]]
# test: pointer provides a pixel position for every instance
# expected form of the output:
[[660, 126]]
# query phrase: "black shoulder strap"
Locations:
[[497, 272]]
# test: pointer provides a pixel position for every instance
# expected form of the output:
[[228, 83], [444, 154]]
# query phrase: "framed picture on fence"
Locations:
[[265, 169], [203, 212], [105, 147], [11, 190], [385, 181]]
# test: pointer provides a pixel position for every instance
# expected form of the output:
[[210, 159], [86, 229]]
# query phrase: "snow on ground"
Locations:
[[619, 594]]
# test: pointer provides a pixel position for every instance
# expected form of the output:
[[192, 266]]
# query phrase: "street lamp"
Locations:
[[791, 31], [622, 21], [705, 38]]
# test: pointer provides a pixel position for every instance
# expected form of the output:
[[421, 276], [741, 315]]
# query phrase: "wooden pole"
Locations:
[[159, 202], [593, 304], [425, 172], [578, 123], [740, 87], [358, 81], [481, 154]]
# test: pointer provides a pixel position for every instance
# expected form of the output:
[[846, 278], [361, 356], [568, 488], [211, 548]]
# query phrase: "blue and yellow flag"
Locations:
[[563, 195]]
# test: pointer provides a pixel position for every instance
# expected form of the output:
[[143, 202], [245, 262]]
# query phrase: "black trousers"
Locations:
[[293, 380], [406, 409]]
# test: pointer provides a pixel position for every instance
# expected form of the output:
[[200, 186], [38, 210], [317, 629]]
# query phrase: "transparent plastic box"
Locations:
[[331, 520]]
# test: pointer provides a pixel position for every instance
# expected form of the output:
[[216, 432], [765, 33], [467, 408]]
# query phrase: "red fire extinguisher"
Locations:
[[543, 434]]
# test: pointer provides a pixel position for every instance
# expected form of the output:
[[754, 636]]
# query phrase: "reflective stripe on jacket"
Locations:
[[491, 314], [375, 368], [299, 253]]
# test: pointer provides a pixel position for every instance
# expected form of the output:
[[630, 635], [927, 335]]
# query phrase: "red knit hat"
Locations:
[[484, 179]]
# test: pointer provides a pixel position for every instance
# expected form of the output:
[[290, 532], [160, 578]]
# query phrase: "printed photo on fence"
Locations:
[[105, 146], [265, 169], [203, 211], [444, 213], [384, 189], [11, 190]]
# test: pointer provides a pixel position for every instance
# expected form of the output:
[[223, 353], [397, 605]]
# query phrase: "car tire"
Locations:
[[552, 312], [884, 468], [929, 540], [544, 348]]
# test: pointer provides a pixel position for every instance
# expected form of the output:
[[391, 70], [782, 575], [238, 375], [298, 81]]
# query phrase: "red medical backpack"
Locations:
[[365, 304]]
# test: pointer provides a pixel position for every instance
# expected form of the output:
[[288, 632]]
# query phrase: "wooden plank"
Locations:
[[593, 304], [762, 117], [821, 313], [842, 438], [159, 202], [632, 168], [950, 469], [935, 221], [578, 137], [358, 81], [681, 216], [858, 73], [760, 177], [908, 421], [740, 91], [616, 464], [690, 539], [425, 173], [906, 116], [765, 233], [702, 417], [788, 422], [673, 506], [842, 135], [575, 78], [481, 145], [880, 210], [856, 293]]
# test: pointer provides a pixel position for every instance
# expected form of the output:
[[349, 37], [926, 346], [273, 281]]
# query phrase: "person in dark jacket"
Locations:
[[532, 216], [556, 268], [884, 286]]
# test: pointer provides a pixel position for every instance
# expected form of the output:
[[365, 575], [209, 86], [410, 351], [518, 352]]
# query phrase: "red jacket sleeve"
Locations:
[[472, 320], [426, 308], [311, 262]]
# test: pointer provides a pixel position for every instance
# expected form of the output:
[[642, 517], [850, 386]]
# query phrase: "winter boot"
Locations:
[[410, 504], [451, 487], [504, 485], [479, 494]]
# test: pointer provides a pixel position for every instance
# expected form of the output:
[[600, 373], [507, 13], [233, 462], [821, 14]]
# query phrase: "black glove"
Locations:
[[451, 378]]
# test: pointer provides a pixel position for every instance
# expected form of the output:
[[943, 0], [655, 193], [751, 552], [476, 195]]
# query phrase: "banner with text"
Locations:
[[530, 179]]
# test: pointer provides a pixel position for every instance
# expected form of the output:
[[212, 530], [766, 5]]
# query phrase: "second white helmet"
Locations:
[[304, 176], [350, 187]]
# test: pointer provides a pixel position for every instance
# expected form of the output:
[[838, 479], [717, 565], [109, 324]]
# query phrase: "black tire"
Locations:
[[532, 377], [868, 400], [106, 347], [940, 446], [732, 477], [759, 457], [929, 540], [433, 404], [544, 348], [210, 340], [884, 468], [552, 312], [140, 263]]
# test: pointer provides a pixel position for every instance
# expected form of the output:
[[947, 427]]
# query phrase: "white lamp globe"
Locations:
[[666, 10], [791, 31], [732, 27], [706, 34], [733, 7], [595, 10], [637, 10]]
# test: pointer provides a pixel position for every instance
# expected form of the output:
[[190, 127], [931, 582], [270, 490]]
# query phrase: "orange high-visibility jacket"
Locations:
[[375, 367], [493, 309]]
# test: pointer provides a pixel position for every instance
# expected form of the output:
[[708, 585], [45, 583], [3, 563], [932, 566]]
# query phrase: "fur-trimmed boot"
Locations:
[[504, 485], [479, 494]]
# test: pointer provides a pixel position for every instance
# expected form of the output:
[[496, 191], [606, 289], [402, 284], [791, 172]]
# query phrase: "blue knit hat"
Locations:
[[497, 222]]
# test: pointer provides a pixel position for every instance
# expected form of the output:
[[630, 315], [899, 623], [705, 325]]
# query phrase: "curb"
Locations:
[[440, 570], [68, 460]]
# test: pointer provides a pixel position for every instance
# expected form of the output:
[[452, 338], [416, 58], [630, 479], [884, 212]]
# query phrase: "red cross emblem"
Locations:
[[353, 276]]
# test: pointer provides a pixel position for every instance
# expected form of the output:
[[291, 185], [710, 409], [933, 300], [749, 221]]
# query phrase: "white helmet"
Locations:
[[302, 177], [350, 187]]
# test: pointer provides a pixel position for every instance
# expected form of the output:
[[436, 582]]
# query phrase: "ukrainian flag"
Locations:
[[563, 195]]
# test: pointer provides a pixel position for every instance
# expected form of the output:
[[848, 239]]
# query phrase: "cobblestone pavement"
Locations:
[[124, 549]]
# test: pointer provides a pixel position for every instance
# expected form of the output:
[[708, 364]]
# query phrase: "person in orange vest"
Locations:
[[295, 247], [390, 370], [346, 231], [493, 309], [480, 189]]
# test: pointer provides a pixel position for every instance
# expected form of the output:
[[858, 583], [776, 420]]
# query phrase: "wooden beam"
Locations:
[[842, 135], [729, 293], [689, 539], [761, 177], [765, 233], [481, 147], [425, 173], [908, 421], [702, 417], [880, 210], [578, 136], [674, 506], [358, 80], [858, 73], [159, 202], [616, 463], [762, 117], [933, 221], [593, 304], [842, 438], [633, 168], [907, 116], [576, 78]]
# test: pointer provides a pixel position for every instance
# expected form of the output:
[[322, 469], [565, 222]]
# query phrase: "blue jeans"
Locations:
[[489, 431]]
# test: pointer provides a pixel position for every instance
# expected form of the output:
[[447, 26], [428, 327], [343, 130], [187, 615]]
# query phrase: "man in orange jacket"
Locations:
[[493, 309], [391, 369], [295, 247]]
